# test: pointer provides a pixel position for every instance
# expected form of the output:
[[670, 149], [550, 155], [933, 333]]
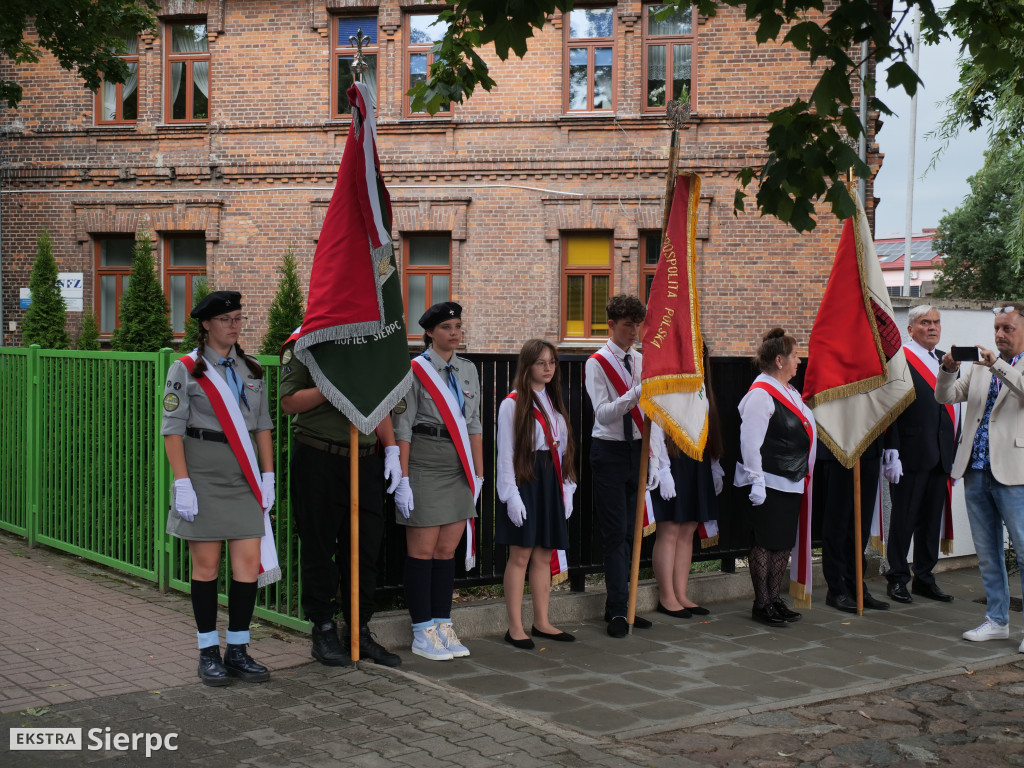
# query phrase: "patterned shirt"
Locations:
[[980, 455]]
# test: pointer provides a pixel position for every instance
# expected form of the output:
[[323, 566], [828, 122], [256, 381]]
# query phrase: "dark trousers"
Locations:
[[616, 471], [917, 502], [320, 505], [833, 501]]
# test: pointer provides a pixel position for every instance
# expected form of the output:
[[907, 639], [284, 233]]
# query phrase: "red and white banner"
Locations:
[[673, 395], [232, 423], [455, 423], [857, 381]]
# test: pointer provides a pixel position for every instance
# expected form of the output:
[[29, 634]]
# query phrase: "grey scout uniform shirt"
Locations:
[[185, 404], [420, 406]]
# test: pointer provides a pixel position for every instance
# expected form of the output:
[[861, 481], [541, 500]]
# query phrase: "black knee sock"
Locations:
[[241, 602], [442, 582], [417, 589], [204, 605]]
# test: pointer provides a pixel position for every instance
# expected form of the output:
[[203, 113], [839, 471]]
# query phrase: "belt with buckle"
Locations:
[[425, 429], [209, 435], [335, 449]]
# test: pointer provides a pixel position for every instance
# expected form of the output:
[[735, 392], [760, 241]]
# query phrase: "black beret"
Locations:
[[217, 303], [438, 313]]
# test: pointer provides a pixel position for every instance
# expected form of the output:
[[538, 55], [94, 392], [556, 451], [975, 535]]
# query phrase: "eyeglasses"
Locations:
[[224, 320], [1001, 310]]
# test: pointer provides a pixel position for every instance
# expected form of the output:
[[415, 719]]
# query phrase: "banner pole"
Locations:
[[638, 524], [858, 542], [353, 545]]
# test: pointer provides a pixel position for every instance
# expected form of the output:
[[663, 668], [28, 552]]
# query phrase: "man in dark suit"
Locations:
[[918, 460], [833, 501]]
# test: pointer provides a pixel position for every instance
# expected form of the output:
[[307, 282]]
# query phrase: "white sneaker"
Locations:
[[427, 643], [1021, 649], [451, 641], [988, 631]]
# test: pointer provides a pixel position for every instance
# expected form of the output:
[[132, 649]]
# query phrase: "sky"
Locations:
[[942, 188]]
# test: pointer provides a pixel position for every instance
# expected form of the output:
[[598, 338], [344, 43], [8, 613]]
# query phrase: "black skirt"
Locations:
[[545, 525], [695, 500], [775, 522]]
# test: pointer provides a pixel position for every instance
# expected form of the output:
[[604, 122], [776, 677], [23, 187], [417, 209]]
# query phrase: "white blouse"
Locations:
[[756, 409], [506, 480]]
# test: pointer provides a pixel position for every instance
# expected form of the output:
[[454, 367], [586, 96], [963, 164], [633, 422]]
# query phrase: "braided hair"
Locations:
[[199, 369]]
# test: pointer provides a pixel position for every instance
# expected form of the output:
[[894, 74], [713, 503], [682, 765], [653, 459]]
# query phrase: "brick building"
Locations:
[[528, 204]]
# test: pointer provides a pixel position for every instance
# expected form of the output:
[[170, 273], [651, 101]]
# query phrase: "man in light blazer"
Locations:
[[990, 458]]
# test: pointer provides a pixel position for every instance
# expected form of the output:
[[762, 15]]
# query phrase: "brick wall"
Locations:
[[506, 173]]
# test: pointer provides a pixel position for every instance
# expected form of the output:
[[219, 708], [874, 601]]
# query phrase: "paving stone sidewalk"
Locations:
[[83, 647]]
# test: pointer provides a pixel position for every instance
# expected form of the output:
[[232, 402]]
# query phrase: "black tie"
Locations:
[[627, 420]]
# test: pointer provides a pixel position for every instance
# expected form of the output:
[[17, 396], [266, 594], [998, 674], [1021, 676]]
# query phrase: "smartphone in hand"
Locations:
[[965, 354]]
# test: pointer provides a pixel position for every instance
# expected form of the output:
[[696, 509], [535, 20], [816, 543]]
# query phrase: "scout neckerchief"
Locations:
[[616, 376], [946, 525], [229, 415], [455, 423], [800, 570], [559, 564]]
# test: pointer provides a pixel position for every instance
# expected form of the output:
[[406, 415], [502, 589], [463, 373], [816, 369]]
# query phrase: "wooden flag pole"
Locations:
[[858, 543], [638, 525], [353, 545]]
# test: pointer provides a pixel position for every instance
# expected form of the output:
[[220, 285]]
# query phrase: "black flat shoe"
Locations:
[[841, 602], [525, 644], [767, 615], [783, 610], [899, 593], [931, 591], [872, 602], [618, 627], [639, 622], [698, 610], [562, 637], [682, 613]]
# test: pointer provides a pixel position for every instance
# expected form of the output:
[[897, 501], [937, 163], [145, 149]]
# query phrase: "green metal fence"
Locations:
[[84, 470]]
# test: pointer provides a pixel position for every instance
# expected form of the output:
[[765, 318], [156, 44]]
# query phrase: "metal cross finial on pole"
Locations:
[[359, 65]]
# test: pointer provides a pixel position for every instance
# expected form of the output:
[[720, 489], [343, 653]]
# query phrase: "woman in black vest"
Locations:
[[777, 436]]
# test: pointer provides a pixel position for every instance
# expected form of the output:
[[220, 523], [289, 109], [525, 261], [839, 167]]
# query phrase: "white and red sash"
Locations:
[[946, 525], [455, 423], [606, 358], [229, 415], [800, 576], [559, 563]]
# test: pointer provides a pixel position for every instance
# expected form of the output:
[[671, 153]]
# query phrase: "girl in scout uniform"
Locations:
[[441, 448], [536, 482], [212, 501]]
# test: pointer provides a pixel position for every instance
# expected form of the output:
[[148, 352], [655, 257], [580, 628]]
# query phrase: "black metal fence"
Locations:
[[729, 377]]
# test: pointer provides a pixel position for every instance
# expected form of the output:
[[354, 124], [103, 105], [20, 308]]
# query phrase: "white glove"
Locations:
[[634, 395], [392, 467], [516, 510], [667, 486], [568, 490], [718, 475], [185, 502], [893, 472], [652, 476], [478, 486], [267, 490], [403, 497], [757, 493]]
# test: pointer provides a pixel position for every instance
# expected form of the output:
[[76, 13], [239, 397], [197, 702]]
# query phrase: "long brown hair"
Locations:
[[714, 444], [523, 429], [199, 369]]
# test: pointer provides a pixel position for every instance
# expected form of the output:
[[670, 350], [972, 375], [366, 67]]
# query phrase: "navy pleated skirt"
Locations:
[[545, 524]]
